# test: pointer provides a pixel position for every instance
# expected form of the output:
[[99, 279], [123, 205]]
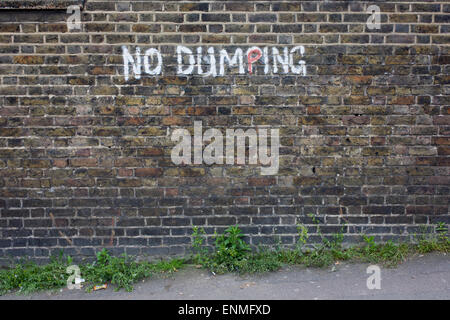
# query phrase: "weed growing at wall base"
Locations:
[[120, 271], [231, 254]]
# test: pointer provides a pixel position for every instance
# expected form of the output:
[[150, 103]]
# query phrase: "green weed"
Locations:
[[121, 271], [231, 254]]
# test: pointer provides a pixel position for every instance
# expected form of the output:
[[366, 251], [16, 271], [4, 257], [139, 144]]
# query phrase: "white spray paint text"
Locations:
[[204, 62]]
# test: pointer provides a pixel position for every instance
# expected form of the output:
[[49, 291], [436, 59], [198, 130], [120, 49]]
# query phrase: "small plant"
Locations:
[[303, 237], [442, 230], [232, 254], [370, 241], [370, 245], [229, 248], [231, 244], [198, 244], [435, 242]]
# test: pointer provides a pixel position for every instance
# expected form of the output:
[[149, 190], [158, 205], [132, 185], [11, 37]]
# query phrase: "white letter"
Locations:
[[264, 309], [199, 61], [278, 58], [241, 139], [180, 50], [184, 147], [75, 274], [74, 21], [273, 159], [374, 12], [157, 69], [215, 147], [212, 62], [266, 60], [374, 281], [302, 68], [127, 58], [238, 54], [198, 142]]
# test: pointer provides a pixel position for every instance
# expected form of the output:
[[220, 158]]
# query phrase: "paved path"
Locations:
[[422, 277]]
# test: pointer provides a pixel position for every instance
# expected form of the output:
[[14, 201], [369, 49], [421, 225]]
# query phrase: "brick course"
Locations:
[[85, 155]]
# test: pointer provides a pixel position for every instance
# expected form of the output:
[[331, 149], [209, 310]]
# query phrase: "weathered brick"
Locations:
[[29, 59], [364, 133], [148, 172]]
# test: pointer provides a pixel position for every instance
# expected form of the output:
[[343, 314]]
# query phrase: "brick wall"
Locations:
[[85, 155]]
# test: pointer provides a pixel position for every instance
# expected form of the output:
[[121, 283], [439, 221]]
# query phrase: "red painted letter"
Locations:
[[252, 59]]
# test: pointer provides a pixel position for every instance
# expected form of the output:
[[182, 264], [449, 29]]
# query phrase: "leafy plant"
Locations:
[[230, 248], [442, 230], [198, 245], [303, 237]]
